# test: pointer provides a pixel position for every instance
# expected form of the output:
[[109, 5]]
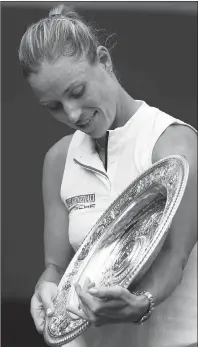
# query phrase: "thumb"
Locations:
[[48, 294]]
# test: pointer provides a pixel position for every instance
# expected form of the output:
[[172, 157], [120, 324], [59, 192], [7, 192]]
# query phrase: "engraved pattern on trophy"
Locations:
[[127, 237]]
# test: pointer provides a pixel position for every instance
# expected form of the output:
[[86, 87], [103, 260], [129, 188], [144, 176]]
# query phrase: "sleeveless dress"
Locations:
[[87, 190]]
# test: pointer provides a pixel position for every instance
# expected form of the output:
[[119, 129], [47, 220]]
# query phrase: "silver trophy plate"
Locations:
[[123, 243]]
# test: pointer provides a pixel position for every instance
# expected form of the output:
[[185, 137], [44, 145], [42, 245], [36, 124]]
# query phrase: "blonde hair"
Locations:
[[62, 33]]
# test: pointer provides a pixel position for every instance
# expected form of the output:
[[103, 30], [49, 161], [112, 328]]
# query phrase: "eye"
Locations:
[[78, 92], [55, 107]]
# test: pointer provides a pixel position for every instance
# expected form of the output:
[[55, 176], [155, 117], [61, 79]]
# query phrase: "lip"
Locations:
[[85, 125]]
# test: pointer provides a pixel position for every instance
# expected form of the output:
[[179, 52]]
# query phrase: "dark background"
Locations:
[[155, 57]]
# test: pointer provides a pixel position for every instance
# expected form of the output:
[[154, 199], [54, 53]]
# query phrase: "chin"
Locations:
[[99, 129]]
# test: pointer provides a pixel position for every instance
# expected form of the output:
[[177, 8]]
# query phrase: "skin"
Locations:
[[77, 93]]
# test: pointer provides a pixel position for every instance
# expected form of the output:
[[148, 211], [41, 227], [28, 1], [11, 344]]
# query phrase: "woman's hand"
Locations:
[[42, 303], [108, 305]]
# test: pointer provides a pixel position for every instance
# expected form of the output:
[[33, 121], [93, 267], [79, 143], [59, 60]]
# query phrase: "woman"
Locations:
[[116, 138]]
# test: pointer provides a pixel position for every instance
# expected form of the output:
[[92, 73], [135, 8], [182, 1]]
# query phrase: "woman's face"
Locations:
[[81, 95]]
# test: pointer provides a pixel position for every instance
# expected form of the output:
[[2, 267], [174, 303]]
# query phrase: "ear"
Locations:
[[104, 58]]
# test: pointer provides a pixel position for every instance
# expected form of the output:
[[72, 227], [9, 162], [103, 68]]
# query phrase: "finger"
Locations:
[[84, 306], [86, 284], [90, 305], [92, 316], [95, 307], [39, 323], [40, 326], [78, 292], [37, 314], [89, 283], [82, 315], [87, 304], [47, 298], [86, 298], [116, 292], [96, 310], [77, 289], [79, 313], [89, 312]]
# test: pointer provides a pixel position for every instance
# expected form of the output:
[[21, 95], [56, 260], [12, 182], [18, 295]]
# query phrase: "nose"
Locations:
[[73, 112]]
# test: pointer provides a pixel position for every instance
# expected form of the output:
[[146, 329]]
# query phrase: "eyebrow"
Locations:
[[64, 92]]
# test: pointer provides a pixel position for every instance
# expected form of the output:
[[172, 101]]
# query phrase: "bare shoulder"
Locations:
[[58, 152], [55, 158], [176, 139]]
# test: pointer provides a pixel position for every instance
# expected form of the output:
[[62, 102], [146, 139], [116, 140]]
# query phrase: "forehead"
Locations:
[[59, 74]]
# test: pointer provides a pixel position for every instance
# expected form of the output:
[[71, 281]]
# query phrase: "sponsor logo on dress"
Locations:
[[81, 202]]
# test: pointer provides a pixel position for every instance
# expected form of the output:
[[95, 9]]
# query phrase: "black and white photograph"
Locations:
[[99, 173]]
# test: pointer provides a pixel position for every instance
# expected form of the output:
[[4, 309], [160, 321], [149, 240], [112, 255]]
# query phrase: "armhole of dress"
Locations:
[[168, 123], [72, 145]]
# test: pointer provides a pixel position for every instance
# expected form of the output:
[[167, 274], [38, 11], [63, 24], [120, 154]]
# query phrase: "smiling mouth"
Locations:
[[87, 123]]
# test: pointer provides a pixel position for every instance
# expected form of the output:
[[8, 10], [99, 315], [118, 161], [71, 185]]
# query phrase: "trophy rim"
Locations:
[[76, 263]]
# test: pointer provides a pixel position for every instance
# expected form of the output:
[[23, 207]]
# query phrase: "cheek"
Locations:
[[100, 97], [107, 94], [94, 95]]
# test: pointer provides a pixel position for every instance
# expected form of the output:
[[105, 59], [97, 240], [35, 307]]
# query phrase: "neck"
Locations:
[[126, 108]]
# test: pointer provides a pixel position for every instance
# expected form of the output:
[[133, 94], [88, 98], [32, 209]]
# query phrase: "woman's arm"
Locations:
[[58, 251], [166, 272]]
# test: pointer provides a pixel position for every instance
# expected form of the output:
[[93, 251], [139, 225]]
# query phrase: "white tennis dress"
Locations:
[[87, 190]]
